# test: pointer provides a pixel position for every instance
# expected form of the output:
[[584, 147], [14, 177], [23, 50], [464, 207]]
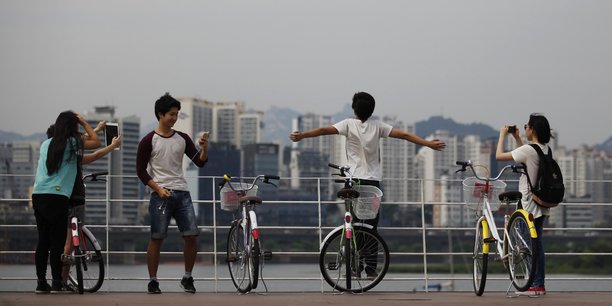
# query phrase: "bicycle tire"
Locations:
[[78, 268], [92, 264], [369, 253], [479, 275], [237, 258], [254, 262], [347, 262], [521, 250]]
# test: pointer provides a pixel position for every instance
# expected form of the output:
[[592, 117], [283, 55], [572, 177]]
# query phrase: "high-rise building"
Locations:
[[397, 162], [398, 172], [196, 115], [310, 156], [18, 160], [121, 165], [250, 128], [432, 165], [260, 158], [226, 123]]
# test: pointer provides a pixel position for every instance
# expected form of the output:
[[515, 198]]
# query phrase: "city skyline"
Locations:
[[148, 123], [474, 61]]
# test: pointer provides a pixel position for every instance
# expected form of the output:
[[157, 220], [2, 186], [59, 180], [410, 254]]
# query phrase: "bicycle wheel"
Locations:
[[369, 260], [521, 251], [92, 264], [481, 260], [77, 255], [238, 259]]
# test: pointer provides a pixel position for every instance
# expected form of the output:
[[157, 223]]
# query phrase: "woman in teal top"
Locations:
[[55, 177]]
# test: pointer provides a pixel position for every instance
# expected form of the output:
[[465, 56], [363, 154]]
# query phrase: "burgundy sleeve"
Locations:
[[191, 151], [143, 155]]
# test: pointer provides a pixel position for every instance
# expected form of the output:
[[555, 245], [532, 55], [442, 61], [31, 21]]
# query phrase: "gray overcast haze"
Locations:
[[474, 61]]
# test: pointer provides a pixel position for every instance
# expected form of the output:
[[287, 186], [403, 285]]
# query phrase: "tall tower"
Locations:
[[309, 157], [121, 167]]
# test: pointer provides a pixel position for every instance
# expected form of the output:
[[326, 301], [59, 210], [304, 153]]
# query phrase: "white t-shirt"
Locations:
[[528, 155], [363, 146]]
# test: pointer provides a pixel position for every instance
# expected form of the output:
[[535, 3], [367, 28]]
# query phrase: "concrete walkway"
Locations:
[[311, 299]]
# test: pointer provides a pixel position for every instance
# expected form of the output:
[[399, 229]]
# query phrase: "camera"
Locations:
[[511, 129]]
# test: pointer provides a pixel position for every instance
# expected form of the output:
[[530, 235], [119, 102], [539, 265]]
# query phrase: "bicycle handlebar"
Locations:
[[343, 170], [94, 176], [265, 178], [515, 168]]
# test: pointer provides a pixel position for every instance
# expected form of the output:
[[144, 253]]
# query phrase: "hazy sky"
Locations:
[[475, 61]]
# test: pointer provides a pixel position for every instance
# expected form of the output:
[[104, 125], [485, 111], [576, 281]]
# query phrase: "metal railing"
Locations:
[[428, 265]]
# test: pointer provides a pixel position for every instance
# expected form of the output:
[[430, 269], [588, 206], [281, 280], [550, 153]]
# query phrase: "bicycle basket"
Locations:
[[230, 200], [475, 190], [367, 205]]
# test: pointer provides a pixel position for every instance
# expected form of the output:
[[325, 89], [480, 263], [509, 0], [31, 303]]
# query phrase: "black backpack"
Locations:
[[549, 190]]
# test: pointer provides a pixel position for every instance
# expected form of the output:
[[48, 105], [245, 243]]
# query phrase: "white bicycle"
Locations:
[[517, 249]]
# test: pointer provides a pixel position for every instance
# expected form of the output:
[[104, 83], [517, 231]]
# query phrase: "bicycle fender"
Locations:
[[485, 234], [532, 229], [92, 238], [341, 227]]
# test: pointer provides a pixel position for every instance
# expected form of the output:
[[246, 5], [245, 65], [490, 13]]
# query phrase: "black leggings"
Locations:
[[51, 212]]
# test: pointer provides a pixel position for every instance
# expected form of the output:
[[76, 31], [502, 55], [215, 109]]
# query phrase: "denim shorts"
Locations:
[[178, 206]]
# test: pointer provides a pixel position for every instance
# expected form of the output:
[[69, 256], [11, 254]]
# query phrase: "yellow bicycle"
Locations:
[[517, 249]]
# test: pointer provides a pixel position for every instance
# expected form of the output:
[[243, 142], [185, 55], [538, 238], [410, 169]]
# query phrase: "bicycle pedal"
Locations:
[[490, 240], [267, 255]]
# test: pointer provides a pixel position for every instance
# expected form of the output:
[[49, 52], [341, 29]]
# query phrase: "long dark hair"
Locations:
[[540, 125], [66, 127]]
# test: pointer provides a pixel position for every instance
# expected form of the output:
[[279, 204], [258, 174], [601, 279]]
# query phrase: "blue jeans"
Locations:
[[538, 278], [178, 206]]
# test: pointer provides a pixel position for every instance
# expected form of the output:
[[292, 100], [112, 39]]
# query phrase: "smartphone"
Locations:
[[111, 131]]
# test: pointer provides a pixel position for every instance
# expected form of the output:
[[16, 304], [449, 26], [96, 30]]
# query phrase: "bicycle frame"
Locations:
[[517, 249], [489, 227], [352, 250], [86, 252], [246, 257], [342, 227]]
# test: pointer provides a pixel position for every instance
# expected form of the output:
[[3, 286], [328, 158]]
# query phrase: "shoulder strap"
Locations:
[[540, 152], [540, 155]]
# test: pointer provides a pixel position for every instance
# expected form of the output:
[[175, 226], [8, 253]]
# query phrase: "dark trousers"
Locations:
[[538, 278], [51, 212]]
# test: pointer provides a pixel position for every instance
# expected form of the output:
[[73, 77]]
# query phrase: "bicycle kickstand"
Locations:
[[508, 292]]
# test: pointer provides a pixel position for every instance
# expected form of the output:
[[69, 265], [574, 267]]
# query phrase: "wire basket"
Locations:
[[230, 199], [475, 190], [367, 205]]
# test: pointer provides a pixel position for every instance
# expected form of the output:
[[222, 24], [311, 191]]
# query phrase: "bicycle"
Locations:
[[353, 248], [243, 239], [86, 261], [517, 250]]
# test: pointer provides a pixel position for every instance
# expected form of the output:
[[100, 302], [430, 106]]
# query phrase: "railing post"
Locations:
[[214, 212], [320, 222], [424, 235]]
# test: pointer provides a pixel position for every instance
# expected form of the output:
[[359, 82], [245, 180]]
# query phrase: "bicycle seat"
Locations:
[[510, 196], [250, 199], [348, 193]]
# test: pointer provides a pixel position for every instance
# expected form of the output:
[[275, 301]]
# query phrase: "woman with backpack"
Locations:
[[537, 131]]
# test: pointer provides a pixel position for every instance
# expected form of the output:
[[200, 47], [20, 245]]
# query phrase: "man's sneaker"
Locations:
[[59, 287], [187, 284], [42, 287], [532, 291], [153, 287]]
